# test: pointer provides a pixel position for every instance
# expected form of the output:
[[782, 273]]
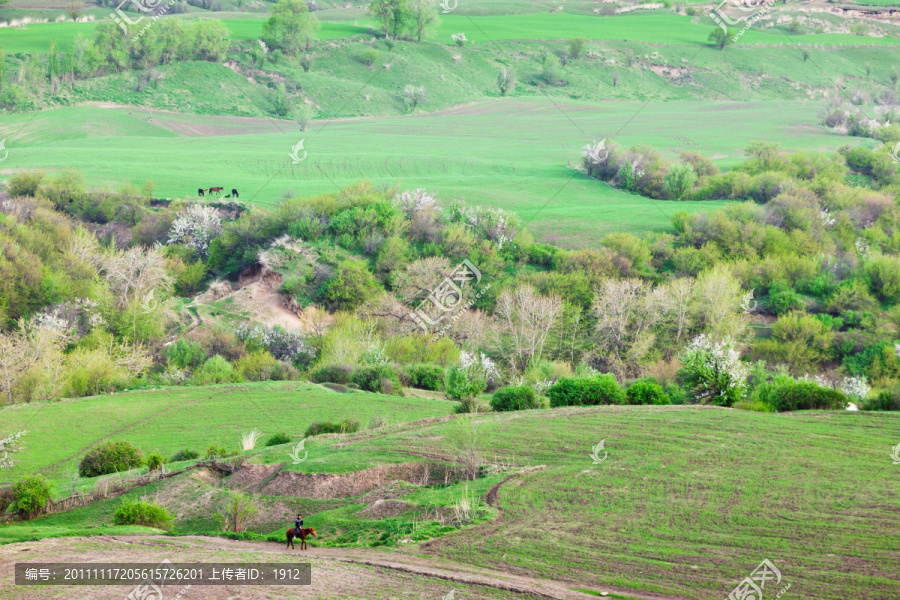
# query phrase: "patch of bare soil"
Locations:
[[251, 477], [382, 509], [345, 485]]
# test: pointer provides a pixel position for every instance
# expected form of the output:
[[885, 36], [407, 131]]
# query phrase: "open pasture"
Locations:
[[515, 154]]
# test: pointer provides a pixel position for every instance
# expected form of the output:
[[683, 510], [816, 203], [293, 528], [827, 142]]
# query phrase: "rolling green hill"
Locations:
[[684, 500]]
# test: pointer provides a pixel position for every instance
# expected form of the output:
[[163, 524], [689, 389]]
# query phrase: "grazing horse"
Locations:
[[201, 192], [216, 190], [304, 531], [234, 193]]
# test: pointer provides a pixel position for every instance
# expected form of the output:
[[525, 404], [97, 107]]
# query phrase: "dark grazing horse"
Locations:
[[303, 533], [234, 193], [201, 192]]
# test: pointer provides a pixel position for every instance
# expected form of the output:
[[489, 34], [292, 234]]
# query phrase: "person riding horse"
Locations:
[[298, 525]]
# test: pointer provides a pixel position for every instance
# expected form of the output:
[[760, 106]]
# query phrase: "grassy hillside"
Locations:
[[688, 500], [177, 418]]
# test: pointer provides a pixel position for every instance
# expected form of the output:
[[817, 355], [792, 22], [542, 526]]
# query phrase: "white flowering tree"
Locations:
[[856, 388], [9, 445], [713, 371], [470, 378], [195, 227]]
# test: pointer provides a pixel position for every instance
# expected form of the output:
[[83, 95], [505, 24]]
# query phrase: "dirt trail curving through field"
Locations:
[[326, 564]]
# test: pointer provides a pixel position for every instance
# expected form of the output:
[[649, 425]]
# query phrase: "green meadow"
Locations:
[[656, 27], [514, 154], [172, 419], [684, 500]]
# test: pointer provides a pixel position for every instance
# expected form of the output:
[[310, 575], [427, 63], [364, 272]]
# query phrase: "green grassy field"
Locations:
[[509, 153], [687, 500], [657, 27], [176, 418]]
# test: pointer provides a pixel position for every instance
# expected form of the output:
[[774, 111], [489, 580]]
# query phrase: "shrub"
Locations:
[[785, 394], [332, 374], [377, 378], [426, 376], [886, 400], [186, 454], [31, 494], [186, 354], [459, 384], [256, 366], [25, 183], [110, 457], [278, 439], [215, 370], [586, 391], [369, 56], [132, 512], [322, 427], [350, 286], [216, 451], [6, 498], [514, 398], [156, 461], [646, 391]]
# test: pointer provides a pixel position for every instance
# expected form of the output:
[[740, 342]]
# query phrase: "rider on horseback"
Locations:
[[298, 524]]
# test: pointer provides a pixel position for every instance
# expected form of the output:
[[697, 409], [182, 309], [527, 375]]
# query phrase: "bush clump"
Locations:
[[332, 374], [278, 439], [647, 391], [31, 495], [216, 451], [786, 394], [185, 454], [322, 427], [156, 461], [110, 457], [514, 398], [426, 376], [586, 391], [132, 512], [887, 400], [378, 378]]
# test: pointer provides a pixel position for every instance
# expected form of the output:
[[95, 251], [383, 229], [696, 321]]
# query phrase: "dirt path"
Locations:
[[390, 564]]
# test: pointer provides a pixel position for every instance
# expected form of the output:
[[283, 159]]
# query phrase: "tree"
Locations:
[[208, 40], [506, 80], [393, 15], [413, 96], [576, 46], [526, 319], [238, 513], [721, 38], [291, 27], [424, 17], [281, 103], [195, 227], [680, 180], [74, 10], [303, 116], [713, 371], [9, 445], [465, 442]]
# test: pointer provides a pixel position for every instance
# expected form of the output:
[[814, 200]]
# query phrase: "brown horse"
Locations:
[[304, 531]]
